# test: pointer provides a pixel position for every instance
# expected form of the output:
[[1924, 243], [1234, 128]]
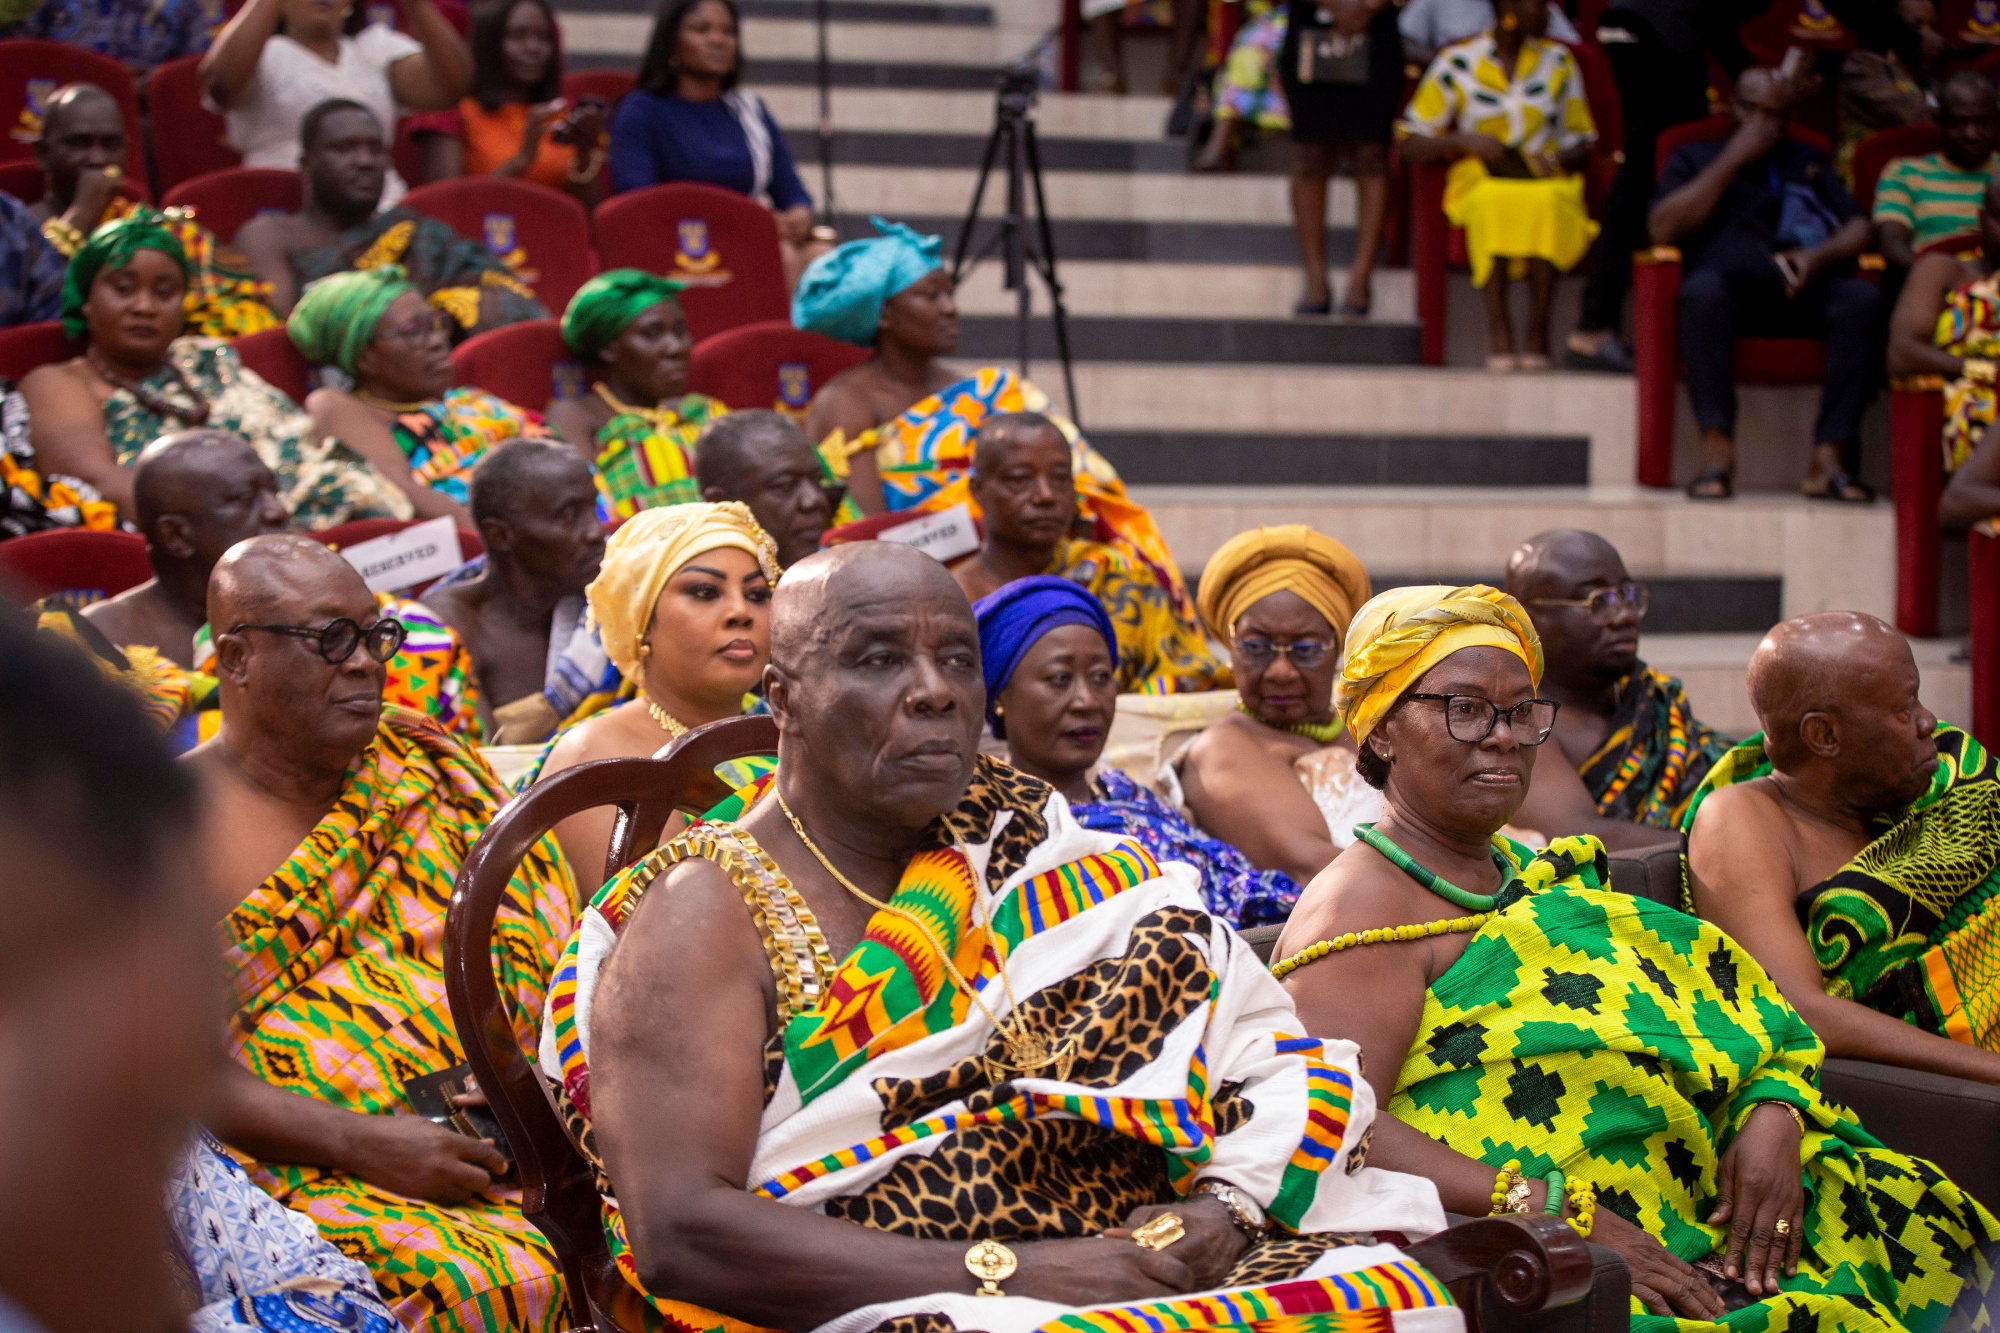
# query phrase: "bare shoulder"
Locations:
[[606, 736], [268, 232], [1743, 840], [1358, 890], [843, 404], [691, 936], [59, 381], [1741, 808]]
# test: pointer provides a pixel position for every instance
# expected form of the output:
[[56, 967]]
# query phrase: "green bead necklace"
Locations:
[[1443, 888], [1326, 733]]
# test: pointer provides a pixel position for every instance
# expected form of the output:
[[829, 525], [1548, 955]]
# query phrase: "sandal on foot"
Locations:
[[1503, 363], [1842, 489], [1716, 483], [1357, 309], [1323, 306]]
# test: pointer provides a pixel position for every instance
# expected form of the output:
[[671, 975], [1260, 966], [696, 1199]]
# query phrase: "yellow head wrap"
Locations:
[[644, 553], [1405, 632], [1293, 558]]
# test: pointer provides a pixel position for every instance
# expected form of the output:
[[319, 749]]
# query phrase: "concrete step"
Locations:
[[1713, 667], [838, 11], [1187, 290], [777, 39], [803, 73], [1197, 342], [946, 112], [882, 148], [1078, 195], [1114, 238], [1201, 458]]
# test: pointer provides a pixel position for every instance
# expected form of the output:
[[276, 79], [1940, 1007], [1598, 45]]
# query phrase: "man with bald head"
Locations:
[[955, 965], [82, 152], [1854, 848], [519, 607], [1024, 493], [1635, 751], [761, 458], [337, 825]]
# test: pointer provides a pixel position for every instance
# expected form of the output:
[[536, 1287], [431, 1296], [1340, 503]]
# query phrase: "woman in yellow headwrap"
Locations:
[[1541, 1043], [682, 605], [1276, 778]]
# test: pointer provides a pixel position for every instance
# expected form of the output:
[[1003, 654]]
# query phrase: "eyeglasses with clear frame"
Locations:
[[1604, 603], [1261, 652], [336, 640], [1471, 719]]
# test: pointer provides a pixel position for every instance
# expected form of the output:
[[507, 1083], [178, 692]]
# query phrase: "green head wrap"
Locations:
[[336, 316], [112, 246], [606, 305]]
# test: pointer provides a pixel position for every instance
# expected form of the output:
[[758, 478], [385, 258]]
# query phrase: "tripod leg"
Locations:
[[1046, 265], [958, 264]]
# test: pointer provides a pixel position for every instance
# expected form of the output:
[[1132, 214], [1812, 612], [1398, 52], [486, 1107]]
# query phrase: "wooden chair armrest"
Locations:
[[1518, 1265]]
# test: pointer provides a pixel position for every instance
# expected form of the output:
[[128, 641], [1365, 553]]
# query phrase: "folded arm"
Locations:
[[1246, 797], [1913, 348], [66, 427], [1974, 490], [1687, 209]]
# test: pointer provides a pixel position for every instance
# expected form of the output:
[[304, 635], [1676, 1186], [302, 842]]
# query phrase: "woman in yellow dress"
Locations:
[[1507, 110]]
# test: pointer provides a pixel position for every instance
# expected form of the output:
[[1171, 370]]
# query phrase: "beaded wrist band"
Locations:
[[1510, 1191]]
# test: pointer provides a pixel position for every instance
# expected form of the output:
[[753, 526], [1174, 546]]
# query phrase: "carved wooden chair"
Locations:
[[1501, 1270]]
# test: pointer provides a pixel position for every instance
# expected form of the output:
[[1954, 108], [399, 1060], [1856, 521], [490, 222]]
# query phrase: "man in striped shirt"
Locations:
[[1927, 198]]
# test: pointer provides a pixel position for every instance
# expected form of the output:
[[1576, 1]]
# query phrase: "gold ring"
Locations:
[[1783, 1226], [1160, 1232]]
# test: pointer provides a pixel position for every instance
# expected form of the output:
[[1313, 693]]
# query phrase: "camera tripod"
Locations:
[[1020, 248]]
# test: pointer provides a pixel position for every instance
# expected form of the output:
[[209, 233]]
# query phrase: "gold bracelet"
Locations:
[[1791, 1111], [65, 236], [992, 1263]]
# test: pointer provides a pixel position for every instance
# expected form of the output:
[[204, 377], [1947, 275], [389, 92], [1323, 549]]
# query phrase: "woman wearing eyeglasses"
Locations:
[[1540, 1043], [402, 415], [1276, 778]]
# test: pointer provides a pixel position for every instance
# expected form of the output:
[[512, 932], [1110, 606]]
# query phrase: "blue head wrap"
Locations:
[[841, 294], [1014, 619]]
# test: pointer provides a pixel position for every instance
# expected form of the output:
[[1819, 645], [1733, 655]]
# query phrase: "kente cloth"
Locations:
[[458, 276], [322, 481], [1231, 887], [1247, 87], [1016, 616], [432, 674], [644, 553], [1290, 557], [1655, 755], [248, 1264], [336, 976], [1625, 1043], [336, 316], [184, 704], [33, 501], [891, 1101], [1911, 925], [1161, 648], [1969, 327], [225, 297], [111, 246], [1401, 634], [446, 439], [605, 307], [645, 456], [841, 293]]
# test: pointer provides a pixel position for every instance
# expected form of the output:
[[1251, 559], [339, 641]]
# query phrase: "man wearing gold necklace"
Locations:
[[638, 423], [958, 1048]]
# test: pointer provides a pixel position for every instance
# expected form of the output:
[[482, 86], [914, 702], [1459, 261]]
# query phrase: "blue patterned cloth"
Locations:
[[1233, 888], [841, 294], [139, 33], [31, 272], [259, 1265]]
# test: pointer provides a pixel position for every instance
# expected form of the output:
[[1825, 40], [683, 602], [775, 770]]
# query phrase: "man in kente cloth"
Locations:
[[1636, 752], [1853, 846], [338, 826], [1025, 495], [518, 606], [344, 163], [908, 1031]]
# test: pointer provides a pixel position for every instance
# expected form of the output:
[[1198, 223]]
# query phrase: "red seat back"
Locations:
[[31, 69], [26, 346], [87, 565], [1803, 23], [549, 226], [224, 200], [189, 140], [1973, 23], [722, 244], [24, 180], [1957, 244], [1719, 127], [769, 364], [368, 529], [609, 84], [1879, 149], [528, 364], [271, 354]]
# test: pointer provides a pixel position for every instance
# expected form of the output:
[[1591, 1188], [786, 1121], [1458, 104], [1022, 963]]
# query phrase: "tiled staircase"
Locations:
[[1221, 409]]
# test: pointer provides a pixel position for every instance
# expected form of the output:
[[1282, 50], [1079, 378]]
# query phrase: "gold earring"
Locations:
[[998, 711], [645, 649], [1508, 23]]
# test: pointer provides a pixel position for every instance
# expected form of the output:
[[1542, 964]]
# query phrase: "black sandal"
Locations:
[[1838, 486], [1716, 483]]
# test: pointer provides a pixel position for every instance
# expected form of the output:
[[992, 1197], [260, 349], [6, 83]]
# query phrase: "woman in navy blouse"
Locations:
[[688, 121]]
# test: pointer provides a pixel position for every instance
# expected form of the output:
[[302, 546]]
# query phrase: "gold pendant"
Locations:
[[1029, 1053]]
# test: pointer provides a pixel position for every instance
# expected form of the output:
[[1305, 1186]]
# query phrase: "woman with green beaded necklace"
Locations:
[[1538, 1042], [1276, 778]]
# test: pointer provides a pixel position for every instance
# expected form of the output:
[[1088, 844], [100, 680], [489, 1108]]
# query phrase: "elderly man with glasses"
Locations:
[[336, 826], [1635, 751]]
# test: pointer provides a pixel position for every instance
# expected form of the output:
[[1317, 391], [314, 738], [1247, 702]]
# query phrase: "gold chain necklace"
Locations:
[[376, 400], [673, 726], [663, 417], [1027, 1052]]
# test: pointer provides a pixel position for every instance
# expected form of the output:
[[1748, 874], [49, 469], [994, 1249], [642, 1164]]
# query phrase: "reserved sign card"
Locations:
[[418, 554]]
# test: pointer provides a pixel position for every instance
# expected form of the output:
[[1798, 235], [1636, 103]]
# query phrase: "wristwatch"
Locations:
[[1243, 1210], [992, 1263]]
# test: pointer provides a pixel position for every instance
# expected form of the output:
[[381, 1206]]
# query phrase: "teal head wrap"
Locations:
[[112, 246], [336, 316], [841, 294], [605, 307]]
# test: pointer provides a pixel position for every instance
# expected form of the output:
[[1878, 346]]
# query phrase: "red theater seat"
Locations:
[[272, 355], [548, 226], [26, 346], [224, 200], [189, 140], [88, 565], [609, 84], [31, 69], [528, 364], [722, 244], [769, 364]]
